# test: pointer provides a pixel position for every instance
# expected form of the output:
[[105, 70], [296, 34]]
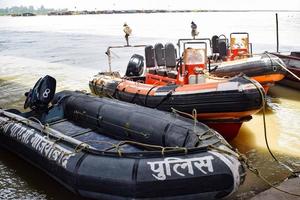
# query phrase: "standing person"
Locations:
[[127, 30], [194, 30]]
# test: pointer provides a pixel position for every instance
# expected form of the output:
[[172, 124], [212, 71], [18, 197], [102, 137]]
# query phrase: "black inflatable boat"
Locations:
[[262, 68], [106, 149]]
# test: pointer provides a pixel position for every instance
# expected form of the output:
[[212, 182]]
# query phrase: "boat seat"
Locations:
[[162, 71], [152, 70], [149, 56], [215, 44], [165, 57], [223, 49], [160, 59], [170, 55], [172, 74], [159, 54]]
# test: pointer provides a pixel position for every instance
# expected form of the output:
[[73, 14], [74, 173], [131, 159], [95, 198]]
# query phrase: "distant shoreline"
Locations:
[[87, 12]]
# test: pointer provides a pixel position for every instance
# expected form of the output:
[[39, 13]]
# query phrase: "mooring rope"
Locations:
[[258, 174], [265, 130], [265, 124], [254, 170], [245, 160]]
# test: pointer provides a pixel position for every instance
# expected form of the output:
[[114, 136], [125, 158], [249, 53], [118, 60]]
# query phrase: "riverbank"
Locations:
[[50, 12]]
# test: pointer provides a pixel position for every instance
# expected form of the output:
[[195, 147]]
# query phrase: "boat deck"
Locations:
[[91, 137]]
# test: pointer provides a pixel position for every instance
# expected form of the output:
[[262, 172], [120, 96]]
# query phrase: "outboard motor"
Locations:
[[135, 66], [40, 96]]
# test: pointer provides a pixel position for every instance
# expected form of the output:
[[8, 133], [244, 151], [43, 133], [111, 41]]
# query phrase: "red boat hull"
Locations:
[[229, 129]]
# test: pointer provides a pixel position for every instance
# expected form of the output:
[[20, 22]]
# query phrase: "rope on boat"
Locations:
[[194, 116], [41, 124], [184, 113], [116, 125], [147, 95], [85, 146], [136, 95], [81, 147], [113, 96], [163, 149], [165, 98], [284, 67]]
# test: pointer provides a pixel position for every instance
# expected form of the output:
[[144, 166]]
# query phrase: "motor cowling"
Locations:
[[39, 97], [135, 66]]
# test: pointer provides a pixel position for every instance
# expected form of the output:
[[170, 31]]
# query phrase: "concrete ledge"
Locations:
[[290, 185]]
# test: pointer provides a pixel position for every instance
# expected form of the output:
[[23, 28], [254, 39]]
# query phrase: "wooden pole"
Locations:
[[277, 36]]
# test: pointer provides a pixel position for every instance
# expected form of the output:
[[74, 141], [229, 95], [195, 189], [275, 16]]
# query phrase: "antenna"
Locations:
[[277, 35]]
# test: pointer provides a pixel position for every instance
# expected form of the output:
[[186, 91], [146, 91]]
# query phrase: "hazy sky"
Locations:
[[159, 4]]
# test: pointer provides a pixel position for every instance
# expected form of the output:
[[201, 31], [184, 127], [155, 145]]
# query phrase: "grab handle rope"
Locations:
[[85, 145], [194, 116]]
